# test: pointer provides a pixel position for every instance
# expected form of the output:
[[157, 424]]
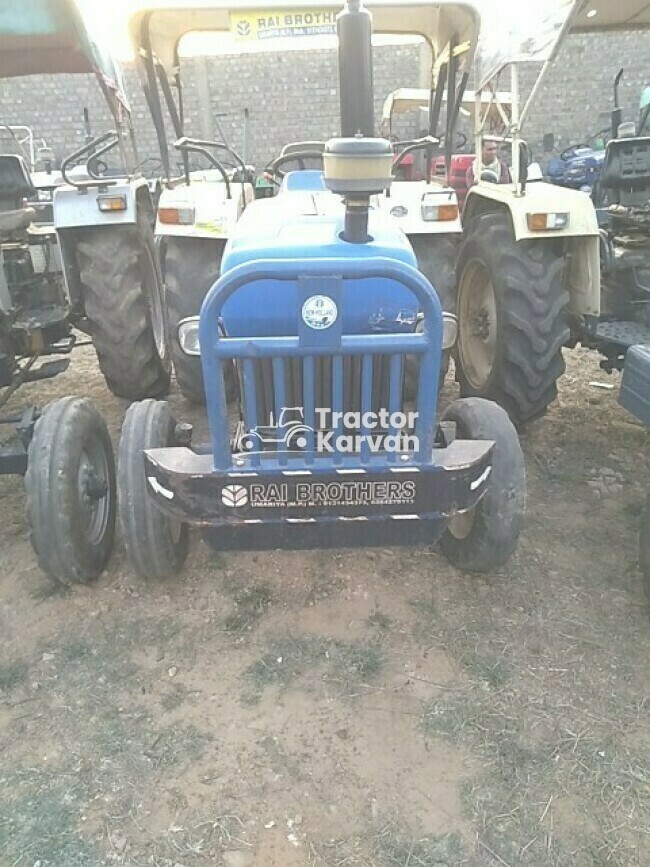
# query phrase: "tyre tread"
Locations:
[[533, 328]]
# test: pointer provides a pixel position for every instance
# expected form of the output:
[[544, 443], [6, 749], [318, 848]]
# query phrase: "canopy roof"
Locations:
[[50, 36], [531, 32], [535, 32], [406, 98], [595, 15], [166, 22]]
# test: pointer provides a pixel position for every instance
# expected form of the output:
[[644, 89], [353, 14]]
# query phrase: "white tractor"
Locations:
[[206, 184], [528, 266]]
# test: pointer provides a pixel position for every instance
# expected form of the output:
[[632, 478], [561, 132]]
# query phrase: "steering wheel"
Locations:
[[570, 152], [274, 167]]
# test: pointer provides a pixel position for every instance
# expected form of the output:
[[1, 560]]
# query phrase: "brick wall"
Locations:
[[294, 95]]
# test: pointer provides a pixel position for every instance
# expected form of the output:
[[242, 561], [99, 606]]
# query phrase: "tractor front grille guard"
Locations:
[[369, 355], [324, 381]]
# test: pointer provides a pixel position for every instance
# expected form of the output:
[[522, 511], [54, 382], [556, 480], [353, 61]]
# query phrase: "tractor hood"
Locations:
[[306, 226], [51, 36], [161, 27]]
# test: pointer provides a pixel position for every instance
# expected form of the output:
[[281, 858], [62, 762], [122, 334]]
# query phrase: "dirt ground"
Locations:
[[348, 707]]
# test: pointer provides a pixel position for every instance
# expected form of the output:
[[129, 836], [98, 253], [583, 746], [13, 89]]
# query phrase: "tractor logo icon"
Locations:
[[319, 312], [243, 28], [234, 496], [291, 432]]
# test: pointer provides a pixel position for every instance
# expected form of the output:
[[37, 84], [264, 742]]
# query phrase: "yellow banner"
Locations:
[[275, 23]]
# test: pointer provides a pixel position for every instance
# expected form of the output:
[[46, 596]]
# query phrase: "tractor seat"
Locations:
[[627, 165], [12, 222], [15, 182]]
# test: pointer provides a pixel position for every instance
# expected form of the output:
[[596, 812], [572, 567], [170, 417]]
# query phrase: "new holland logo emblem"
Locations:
[[319, 312], [235, 496]]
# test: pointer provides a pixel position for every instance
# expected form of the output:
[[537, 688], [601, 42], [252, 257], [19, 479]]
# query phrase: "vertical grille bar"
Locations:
[[280, 403], [250, 402], [338, 398], [395, 396], [265, 398], [308, 402], [366, 404]]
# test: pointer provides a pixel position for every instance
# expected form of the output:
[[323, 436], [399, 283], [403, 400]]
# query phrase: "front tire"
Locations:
[[156, 546], [512, 318], [124, 304], [71, 492], [486, 537]]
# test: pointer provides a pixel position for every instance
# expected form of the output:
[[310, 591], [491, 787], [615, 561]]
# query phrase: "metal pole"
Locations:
[[478, 133], [516, 155], [203, 96]]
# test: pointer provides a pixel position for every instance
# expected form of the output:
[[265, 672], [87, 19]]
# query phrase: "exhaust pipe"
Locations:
[[357, 165], [354, 27]]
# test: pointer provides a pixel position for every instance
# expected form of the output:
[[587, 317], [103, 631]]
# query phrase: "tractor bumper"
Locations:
[[285, 504]]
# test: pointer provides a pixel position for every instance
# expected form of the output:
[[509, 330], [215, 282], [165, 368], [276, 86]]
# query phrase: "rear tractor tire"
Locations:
[[124, 304], [71, 491], [436, 256], [485, 538], [512, 318], [156, 546], [191, 267]]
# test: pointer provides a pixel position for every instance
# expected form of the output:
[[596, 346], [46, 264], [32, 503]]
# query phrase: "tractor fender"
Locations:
[[205, 207], [407, 204], [581, 236], [75, 210]]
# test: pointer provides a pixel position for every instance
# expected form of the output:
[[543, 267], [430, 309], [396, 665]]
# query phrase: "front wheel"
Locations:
[[156, 546], [485, 538], [71, 494]]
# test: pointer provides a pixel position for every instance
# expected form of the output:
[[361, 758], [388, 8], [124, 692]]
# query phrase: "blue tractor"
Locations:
[[579, 166], [318, 306]]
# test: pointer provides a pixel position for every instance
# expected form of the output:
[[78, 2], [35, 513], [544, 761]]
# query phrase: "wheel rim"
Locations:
[[94, 491], [155, 304], [477, 325], [461, 525]]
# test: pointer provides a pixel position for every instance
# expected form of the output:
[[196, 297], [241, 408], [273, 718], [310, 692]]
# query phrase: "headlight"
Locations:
[[188, 335], [112, 203], [548, 222], [449, 330], [176, 216], [433, 210]]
